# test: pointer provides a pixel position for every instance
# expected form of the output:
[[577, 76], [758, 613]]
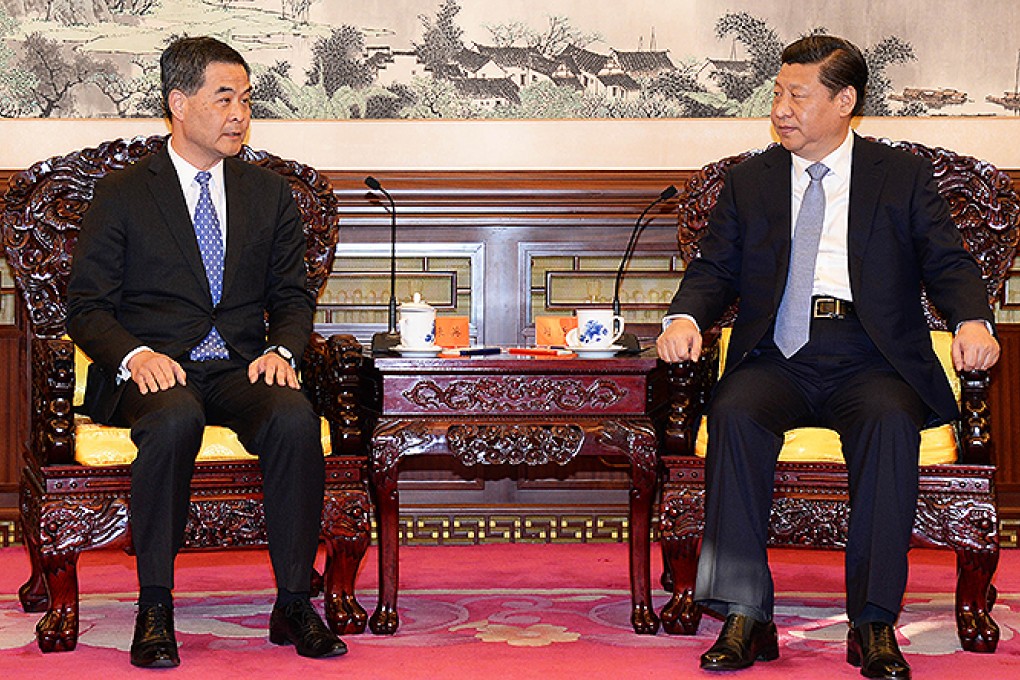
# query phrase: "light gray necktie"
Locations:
[[794, 319]]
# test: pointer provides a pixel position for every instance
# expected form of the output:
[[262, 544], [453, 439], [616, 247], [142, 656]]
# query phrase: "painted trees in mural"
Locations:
[[58, 71], [99, 58]]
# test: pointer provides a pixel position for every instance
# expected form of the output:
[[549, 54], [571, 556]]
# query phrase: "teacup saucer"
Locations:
[[595, 352], [418, 352]]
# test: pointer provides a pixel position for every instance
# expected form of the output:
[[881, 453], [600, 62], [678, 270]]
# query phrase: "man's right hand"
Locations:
[[680, 341], [153, 372]]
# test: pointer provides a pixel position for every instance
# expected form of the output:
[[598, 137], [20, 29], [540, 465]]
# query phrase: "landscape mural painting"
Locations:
[[513, 59]]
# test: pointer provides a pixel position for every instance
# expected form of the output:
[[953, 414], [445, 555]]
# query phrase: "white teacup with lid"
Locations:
[[417, 324]]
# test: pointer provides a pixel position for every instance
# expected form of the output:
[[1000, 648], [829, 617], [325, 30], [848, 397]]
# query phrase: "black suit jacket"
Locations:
[[137, 276], [900, 235]]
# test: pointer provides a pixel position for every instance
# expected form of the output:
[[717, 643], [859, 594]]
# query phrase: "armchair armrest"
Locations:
[[52, 437], [689, 384], [975, 431], [332, 372]]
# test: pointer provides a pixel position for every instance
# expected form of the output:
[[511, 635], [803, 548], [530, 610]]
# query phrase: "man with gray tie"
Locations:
[[187, 289], [830, 332]]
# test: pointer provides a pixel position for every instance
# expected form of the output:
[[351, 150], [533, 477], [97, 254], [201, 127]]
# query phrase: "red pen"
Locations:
[[540, 352]]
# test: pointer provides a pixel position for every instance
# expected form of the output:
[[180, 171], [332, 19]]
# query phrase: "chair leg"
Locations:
[[681, 524], [32, 594], [975, 597], [57, 630], [346, 541]]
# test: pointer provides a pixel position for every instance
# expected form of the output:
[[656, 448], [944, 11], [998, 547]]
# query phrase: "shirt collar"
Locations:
[[186, 171], [838, 161]]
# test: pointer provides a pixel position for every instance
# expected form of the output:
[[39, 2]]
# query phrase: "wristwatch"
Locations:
[[287, 355]]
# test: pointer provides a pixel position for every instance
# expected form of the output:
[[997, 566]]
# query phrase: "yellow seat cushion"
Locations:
[[98, 445], [820, 445]]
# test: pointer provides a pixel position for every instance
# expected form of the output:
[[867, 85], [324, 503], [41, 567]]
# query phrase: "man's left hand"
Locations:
[[974, 348], [275, 369]]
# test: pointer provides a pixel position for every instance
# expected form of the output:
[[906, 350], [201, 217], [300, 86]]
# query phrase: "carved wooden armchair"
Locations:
[[956, 506], [75, 487]]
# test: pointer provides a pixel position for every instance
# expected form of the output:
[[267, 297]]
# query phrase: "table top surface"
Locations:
[[518, 363]]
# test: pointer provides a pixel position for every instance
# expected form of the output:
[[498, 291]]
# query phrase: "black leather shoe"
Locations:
[[742, 642], [872, 647], [299, 624], [154, 644]]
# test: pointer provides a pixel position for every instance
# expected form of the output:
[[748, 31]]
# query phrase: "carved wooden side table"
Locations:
[[517, 410]]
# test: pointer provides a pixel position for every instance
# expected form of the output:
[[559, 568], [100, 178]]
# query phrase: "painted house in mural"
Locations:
[[644, 64], [524, 65], [488, 93], [394, 66], [706, 75]]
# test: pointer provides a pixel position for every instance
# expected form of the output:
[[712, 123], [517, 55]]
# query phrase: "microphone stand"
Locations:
[[629, 341], [383, 343]]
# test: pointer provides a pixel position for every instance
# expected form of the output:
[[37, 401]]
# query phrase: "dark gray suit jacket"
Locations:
[[900, 235], [137, 276]]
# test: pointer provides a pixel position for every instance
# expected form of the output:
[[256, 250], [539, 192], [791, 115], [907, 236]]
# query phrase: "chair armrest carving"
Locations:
[[332, 372], [690, 383], [52, 401], [976, 444]]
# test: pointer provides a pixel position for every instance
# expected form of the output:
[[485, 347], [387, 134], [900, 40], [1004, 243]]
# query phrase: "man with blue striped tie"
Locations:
[[187, 290]]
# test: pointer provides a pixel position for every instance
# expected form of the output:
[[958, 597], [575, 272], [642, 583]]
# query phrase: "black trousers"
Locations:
[[839, 380], [276, 423]]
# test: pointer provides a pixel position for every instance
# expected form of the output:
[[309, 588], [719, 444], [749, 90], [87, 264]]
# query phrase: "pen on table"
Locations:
[[540, 351], [471, 351]]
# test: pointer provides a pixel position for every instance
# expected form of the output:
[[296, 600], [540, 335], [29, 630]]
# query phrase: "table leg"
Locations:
[[385, 620], [643, 616]]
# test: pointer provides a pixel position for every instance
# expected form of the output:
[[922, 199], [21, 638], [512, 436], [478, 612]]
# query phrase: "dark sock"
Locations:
[[872, 613], [150, 595], [285, 597]]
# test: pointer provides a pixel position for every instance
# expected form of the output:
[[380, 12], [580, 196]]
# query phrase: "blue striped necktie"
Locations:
[[210, 245], [793, 322]]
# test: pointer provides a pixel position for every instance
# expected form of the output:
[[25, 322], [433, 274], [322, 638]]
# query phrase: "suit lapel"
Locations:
[[166, 190], [238, 221], [775, 197], [867, 175]]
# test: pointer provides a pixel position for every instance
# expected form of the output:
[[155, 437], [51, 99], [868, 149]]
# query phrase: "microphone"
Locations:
[[630, 342], [385, 342]]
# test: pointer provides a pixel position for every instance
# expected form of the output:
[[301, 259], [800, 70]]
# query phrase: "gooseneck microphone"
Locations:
[[629, 341], [385, 342]]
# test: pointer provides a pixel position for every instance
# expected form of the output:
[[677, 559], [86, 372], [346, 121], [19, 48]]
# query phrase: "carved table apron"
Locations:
[[517, 410]]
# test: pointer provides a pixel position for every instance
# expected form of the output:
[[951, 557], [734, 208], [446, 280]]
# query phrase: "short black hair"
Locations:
[[842, 63], [182, 65]]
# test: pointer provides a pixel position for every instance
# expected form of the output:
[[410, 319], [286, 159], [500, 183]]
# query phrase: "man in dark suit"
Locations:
[[830, 331], [192, 323]]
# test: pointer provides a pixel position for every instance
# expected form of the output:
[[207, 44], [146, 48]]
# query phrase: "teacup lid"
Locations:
[[417, 305]]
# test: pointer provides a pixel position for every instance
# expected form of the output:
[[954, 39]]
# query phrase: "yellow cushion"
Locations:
[[821, 445], [98, 445]]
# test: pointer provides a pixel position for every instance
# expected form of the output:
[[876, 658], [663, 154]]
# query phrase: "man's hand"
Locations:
[[974, 348], [153, 372], [680, 341], [275, 369]]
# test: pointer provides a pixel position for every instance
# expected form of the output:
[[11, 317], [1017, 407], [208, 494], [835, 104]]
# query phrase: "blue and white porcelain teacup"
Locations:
[[596, 329]]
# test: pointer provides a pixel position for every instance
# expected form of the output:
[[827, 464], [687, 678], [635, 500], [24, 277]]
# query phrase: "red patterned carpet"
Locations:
[[498, 611]]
